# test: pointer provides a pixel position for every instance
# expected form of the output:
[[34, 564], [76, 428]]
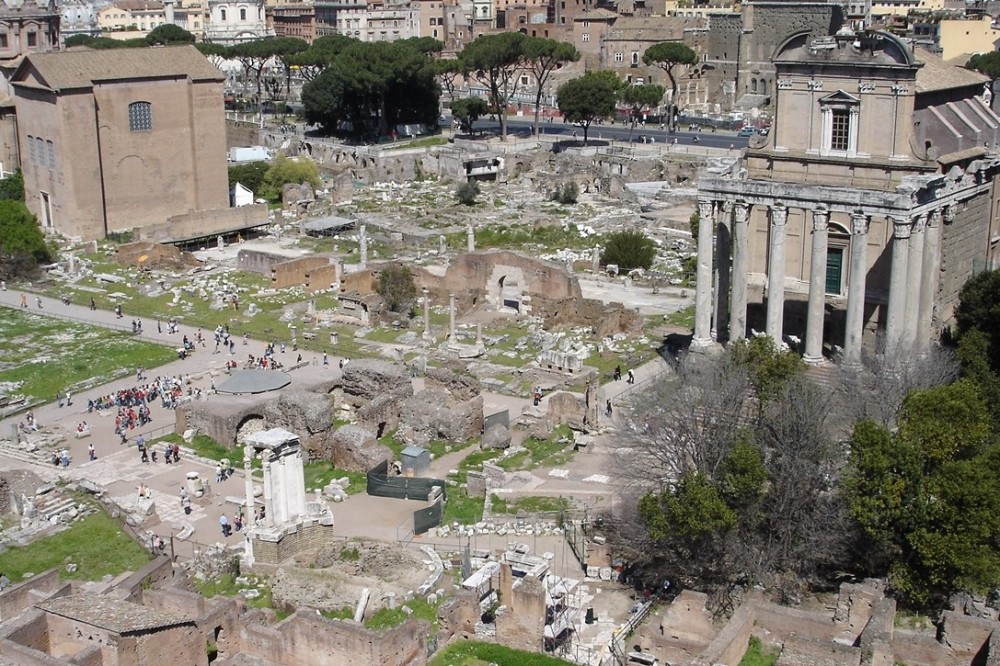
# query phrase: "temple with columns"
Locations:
[[863, 212]]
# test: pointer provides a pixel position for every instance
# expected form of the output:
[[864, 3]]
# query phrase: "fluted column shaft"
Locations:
[[738, 325], [914, 279], [721, 294], [703, 276], [896, 308], [817, 288], [776, 273], [857, 277]]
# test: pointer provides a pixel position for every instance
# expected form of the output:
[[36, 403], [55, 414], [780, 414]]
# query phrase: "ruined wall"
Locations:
[[964, 245], [723, 49], [294, 272], [205, 223], [521, 623], [156, 255], [183, 644], [322, 278], [808, 651], [20, 596], [361, 281], [241, 134], [458, 616], [964, 634], [30, 630], [305, 638], [478, 275], [255, 261], [156, 572], [295, 540]]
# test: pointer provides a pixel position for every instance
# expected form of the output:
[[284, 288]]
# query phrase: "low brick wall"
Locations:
[[303, 537]]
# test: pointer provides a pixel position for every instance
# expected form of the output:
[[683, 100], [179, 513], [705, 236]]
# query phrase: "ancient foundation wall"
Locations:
[[154, 573], [255, 261], [322, 278], [19, 597], [205, 223], [965, 634], [294, 272], [964, 245], [295, 540]]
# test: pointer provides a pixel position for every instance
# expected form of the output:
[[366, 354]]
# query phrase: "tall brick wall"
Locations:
[[305, 537], [964, 245], [17, 598], [322, 277], [293, 272]]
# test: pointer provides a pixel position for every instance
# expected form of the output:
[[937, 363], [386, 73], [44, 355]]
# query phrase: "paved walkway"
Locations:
[[119, 470]]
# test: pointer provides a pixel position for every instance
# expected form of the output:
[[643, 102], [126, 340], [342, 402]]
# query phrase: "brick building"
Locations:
[[117, 139], [863, 212]]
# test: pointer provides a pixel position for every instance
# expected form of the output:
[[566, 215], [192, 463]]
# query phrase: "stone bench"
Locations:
[[80, 434]]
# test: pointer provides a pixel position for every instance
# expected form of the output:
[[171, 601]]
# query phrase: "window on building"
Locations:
[[585, 36], [586, 24], [31, 149], [3, 41], [51, 150], [40, 150], [32, 39], [635, 57], [140, 117], [840, 124], [840, 129], [243, 15], [222, 14], [619, 57]]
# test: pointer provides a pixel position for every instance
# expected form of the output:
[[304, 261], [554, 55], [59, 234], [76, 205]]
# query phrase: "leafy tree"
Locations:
[[215, 53], [667, 56], [466, 193], [468, 110], [12, 187], [168, 33], [320, 55], [396, 286], [927, 498], [542, 57], [986, 63], [979, 308], [250, 175], [285, 49], [586, 99], [973, 355], [769, 368], [426, 45], [639, 98], [78, 40], [22, 244], [566, 193], [628, 249], [284, 170], [447, 71], [496, 61]]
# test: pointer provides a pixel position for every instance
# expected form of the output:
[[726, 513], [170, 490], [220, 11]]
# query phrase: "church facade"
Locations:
[[859, 217]]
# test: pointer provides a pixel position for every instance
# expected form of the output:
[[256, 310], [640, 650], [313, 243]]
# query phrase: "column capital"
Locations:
[[934, 218], [779, 215], [859, 223], [919, 222], [821, 219], [901, 227], [705, 207], [741, 210]]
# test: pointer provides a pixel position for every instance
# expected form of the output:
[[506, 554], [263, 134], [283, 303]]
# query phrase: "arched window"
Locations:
[[140, 117], [765, 87], [243, 14], [222, 14], [753, 86]]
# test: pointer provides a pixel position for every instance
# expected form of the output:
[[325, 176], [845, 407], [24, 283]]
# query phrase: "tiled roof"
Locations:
[[122, 617], [599, 14], [138, 5], [938, 75], [81, 69]]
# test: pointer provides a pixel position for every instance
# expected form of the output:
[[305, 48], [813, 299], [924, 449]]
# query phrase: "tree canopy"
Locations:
[[284, 170], [396, 287], [468, 110], [586, 99], [496, 61], [628, 249], [374, 86], [667, 56], [22, 244], [168, 33], [542, 57], [639, 98], [979, 309]]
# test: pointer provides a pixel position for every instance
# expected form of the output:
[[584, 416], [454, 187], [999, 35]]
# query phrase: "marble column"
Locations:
[[857, 275], [914, 267], [896, 309], [470, 239], [738, 324], [721, 294], [703, 276], [776, 274], [427, 312], [363, 246], [817, 288], [595, 261], [929, 280], [451, 317]]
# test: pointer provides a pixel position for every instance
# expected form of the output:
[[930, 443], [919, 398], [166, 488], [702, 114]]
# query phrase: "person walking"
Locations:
[[326, 361], [618, 373], [224, 525], [91, 451], [24, 301], [608, 410], [69, 398], [93, 304], [38, 299], [631, 376]]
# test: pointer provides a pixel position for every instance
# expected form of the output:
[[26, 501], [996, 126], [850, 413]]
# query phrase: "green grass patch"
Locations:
[[462, 509], [345, 613], [758, 655], [683, 318], [226, 586], [532, 504], [96, 545], [421, 143], [471, 653], [318, 474], [474, 462], [385, 334], [386, 618], [557, 449], [50, 355]]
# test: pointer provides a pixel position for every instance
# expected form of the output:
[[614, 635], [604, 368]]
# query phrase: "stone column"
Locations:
[[858, 273], [930, 267], [595, 261], [470, 239], [249, 509], [914, 266], [776, 274], [479, 337], [427, 312], [363, 246], [738, 326], [703, 277], [896, 308], [441, 244], [817, 288], [451, 317], [721, 293]]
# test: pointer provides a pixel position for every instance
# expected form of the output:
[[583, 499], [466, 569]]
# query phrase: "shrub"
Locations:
[[395, 285], [467, 193], [283, 171], [566, 193], [629, 249]]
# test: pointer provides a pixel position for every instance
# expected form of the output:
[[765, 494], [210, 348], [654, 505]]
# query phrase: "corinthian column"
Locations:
[[896, 310], [703, 276], [817, 288], [738, 326], [855, 323], [929, 280], [721, 294], [776, 274], [914, 267]]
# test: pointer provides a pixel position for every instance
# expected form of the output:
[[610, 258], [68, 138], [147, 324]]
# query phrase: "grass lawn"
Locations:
[[541, 452], [385, 618], [683, 318], [533, 504], [50, 355], [470, 653], [474, 462], [225, 585], [318, 474], [95, 544], [462, 509], [421, 143]]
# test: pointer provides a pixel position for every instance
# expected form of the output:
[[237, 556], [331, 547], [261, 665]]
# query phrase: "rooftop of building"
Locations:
[[110, 614], [83, 68], [936, 74], [653, 28]]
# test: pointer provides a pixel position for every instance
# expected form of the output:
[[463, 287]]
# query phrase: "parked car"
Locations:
[[746, 131]]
